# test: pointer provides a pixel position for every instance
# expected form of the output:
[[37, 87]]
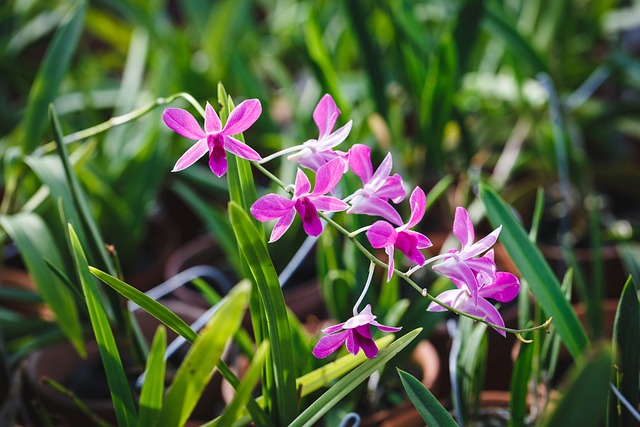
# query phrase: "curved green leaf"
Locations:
[[50, 74], [254, 250], [426, 403], [343, 387], [533, 267], [153, 387], [116, 378], [148, 304], [197, 368], [37, 247]]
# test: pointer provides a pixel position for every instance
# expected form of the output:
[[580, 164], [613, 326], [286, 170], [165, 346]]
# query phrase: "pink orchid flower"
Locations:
[[316, 152], [378, 188], [384, 235], [462, 265], [355, 332], [306, 203], [215, 138], [502, 287]]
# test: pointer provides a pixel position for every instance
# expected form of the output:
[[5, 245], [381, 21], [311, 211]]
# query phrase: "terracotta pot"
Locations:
[[61, 363]]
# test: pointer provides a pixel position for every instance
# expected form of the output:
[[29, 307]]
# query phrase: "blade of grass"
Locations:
[[256, 254], [520, 385], [153, 387], [154, 308], [343, 387], [196, 369], [116, 378], [542, 282], [426, 403], [50, 74], [35, 243]]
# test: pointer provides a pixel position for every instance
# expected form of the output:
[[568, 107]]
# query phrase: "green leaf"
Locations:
[[196, 369], [543, 283], [254, 250], [426, 403], [630, 253], [116, 378], [520, 385], [243, 392], [37, 247], [148, 304], [153, 387], [626, 336], [584, 401], [50, 74], [343, 387]]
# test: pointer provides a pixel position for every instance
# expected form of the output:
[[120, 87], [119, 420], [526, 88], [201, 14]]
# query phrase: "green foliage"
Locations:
[[427, 405]]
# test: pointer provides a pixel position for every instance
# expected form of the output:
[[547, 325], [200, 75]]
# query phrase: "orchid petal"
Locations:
[[463, 227], [217, 159], [481, 245], [459, 273], [334, 328], [491, 314], [381, 234], [243, 116], [282, 225], [240, 149], [330, 343], [183, 123], [449, 297], [212, 123], [334, 139], [374, 206], [192, 155], [328, 176], [390, 252], [392, 189], [382, 173], [302, 185], [325, 115], [418, 202], [360, 162], [385, 328], [270, 207], [504, 289], [328, 203], [309, 215], [407, 244]]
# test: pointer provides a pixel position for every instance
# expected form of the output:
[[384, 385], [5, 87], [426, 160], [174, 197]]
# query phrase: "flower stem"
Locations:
[[372, 267]]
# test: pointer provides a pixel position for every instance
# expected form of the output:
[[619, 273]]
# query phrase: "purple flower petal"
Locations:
[[392, 189], [385, 328], [418, 202], [328, 344], [325, 115], [504, 289], [360, 162], [212, 123], [334, 328], [378, 179], [328, 203], [240, 149], [302, 185], [459, 273], [282, 225], [463, 227], [334, 139], [328, 177], [270, 207], [407, 244], [217, 159], [192, 155], [449, 297], [374, 206], [309, 215], [486, 309], [381, 234], [243, 116], [390, 252], [183, 123], [481, 245]]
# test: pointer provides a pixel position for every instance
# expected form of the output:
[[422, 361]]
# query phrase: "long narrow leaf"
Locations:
[[116, 378], [37, 247], [153, 387], [148, 304], [197, 368], [426, 403], [542, 282], [254, 250], [50, 74], [343, 387]]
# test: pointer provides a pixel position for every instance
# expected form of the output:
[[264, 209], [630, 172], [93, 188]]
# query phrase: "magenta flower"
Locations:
[[462, 265], [384, 235], [355, 332], [316, 152], [214, 139], [378, 188], [307, 204], [502, 287]]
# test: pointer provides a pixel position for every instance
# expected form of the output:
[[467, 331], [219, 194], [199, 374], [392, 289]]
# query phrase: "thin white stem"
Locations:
[[429, 261], [280, 153], [372, 267]]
